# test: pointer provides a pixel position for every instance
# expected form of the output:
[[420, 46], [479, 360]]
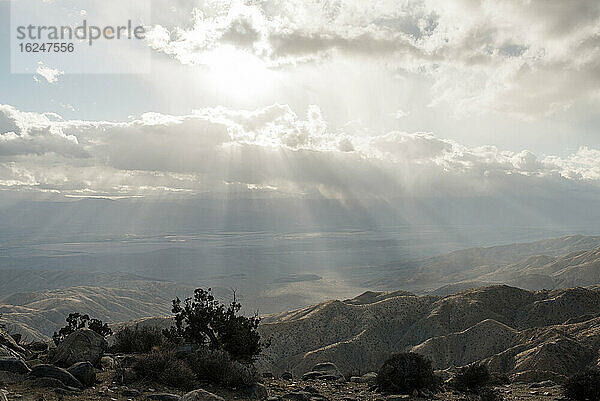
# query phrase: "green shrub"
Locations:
[[217, 367], [472, 377], [584, 385], [405, 372], [163, 366], [205, 321], [138, 339], [77, 321]]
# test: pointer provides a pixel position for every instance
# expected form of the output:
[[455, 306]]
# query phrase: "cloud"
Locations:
[[270, 151], [527, 59], [49, 74]]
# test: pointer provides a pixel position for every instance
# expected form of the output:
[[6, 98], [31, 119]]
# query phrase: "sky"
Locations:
[[334, 98]]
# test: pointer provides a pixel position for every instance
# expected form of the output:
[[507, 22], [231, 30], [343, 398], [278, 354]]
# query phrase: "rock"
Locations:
[[324, 371], [297, 396], [275, 398], [368, 378], [10, 343], [55, 372], [107, 363], [163, 397], [287, 376], [257, 391], [84, 372], [355, 379], [14, 365], [50, 382], [80, 346], [3, 396], [267, 375], [400, 397], [132, 393], [200, 395]]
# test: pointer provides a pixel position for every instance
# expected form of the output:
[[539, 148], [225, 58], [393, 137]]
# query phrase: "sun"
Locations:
[[238, 73]]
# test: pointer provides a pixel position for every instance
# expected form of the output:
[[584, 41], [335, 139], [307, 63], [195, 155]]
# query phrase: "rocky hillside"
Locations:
[[36, 315], [518, 332]]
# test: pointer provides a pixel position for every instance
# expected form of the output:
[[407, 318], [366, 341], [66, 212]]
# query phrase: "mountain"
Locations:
[[552, 263], [38, 314], [521, 333]]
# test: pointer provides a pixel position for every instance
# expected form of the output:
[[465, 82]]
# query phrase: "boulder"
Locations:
[[14, 365], [200, 395], [81, 346], [257, 391], [369, 378], [287, 376], [50, 382], [324, 371], [84, 372], [10, 343], [54, 372], [163, 397]]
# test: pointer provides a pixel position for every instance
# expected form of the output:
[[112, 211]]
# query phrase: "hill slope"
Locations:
[[515, 331]]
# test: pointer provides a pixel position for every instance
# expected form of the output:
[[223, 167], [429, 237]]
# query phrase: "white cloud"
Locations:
[[49, 74], [271, 150], [527, 59]]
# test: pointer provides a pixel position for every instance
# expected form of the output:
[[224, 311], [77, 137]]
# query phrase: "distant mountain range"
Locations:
[[433, 309], [553, 263]]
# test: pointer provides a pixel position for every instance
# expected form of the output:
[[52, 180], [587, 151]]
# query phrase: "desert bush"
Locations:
[[471, 377], [489, 394], [405, 372], [77, 321], [584, 385], [205, 321], [138, 339], [217, 367], [163, 366]]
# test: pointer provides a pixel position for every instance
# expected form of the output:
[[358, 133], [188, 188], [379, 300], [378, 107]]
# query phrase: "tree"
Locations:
[[205, 321], [406, 372], [77, 321]]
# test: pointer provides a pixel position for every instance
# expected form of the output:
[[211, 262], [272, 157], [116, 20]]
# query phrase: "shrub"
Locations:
[[472, 377], [205, 321], [138, 339], [77, 321], [405, 372], [584, 385], [217, 367], [489, 394], [163, 366]]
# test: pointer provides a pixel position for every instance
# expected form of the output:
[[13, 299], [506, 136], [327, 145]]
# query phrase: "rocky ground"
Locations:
[[278, 389]]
